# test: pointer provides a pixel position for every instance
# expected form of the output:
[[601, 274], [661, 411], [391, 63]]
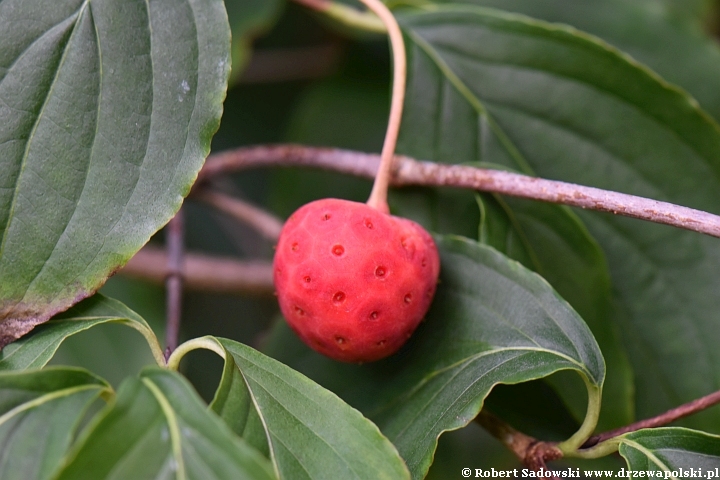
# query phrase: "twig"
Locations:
[[407, 171], [660, 420], [204, 273], [345, 161], [532, 452], [175, 234], [266, 224]]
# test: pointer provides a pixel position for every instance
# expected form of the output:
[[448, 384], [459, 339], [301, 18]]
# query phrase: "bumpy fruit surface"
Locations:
[[353, 282]]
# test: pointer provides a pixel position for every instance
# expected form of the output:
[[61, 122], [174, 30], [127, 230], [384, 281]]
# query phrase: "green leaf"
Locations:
[[492, 321], [648, 30], [159, 428], [36, 349], [39, 414], [670, 450], [248, 18], [307, 431], [553, 241], [500, 324], [487, 86], [107, 112]]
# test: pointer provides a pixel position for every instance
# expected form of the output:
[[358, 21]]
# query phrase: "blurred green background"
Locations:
[[298, 78]]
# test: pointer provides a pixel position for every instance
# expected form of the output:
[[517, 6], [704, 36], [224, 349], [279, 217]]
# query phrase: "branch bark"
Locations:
[[408, 171], [531, 452], [660, 420], [263, 222], [203, 272]]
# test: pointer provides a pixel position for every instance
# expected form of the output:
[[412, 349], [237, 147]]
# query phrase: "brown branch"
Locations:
[[204, 273], [531, 452], [407, 171], [175, 233], [263, 222], [344, 161], [660, 420]]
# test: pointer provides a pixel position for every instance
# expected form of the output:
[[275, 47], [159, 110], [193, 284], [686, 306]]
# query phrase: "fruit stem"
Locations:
[[378, 195]]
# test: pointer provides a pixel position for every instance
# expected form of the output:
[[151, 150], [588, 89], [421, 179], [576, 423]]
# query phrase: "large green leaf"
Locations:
[[36, 349], [552, 241], [107, 111], [159, 428], [307, 431], [488, 86], [492, 321], [648, 30], [39, 414], [678, 451]]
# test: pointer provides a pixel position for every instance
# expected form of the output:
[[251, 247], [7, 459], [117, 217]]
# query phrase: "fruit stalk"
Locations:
[[378, 195]]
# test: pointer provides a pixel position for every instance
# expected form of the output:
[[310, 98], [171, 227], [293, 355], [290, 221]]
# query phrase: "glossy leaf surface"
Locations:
[[679, 451], [552, 241], [40, 412], [107, 112], [158, 428], [665, 37], [307, 431], [501, 88], [492, 321]]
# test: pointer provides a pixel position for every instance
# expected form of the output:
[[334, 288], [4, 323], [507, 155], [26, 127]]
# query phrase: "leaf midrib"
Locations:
[[650, 455], [271, 435], [48, 397], [173, 426], [431, 375]]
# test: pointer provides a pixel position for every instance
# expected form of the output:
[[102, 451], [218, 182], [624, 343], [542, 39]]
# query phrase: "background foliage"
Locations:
[[557, 305]]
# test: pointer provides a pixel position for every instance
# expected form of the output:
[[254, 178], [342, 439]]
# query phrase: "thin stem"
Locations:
[[155, 348], [590, 422], [378, 195], [204, 272], [173, 282], [265, 223], [407, 171], [206, 343], [598, 451], [346, 161], [660, 420], [530, 451]]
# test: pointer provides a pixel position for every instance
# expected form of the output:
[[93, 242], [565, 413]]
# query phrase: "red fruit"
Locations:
[[353, 282]]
